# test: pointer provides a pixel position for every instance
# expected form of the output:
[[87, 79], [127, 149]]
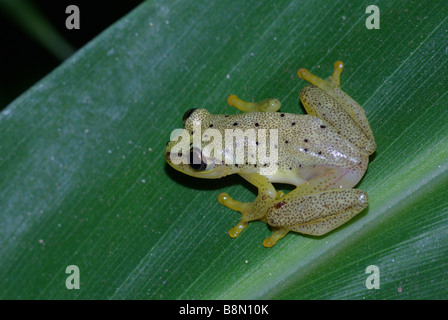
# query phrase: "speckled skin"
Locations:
[[324, 154]]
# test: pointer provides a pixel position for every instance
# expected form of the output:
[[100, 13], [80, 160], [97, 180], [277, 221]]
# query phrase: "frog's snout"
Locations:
[[187, 115]]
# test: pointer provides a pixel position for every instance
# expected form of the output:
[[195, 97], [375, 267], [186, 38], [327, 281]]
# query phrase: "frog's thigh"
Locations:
[[266, 105], [319, 213]]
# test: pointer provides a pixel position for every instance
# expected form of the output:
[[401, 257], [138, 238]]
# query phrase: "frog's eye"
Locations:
[[198, 162], [187, 114]]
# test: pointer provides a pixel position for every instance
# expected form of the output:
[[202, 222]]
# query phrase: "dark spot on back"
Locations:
[[279, 204]]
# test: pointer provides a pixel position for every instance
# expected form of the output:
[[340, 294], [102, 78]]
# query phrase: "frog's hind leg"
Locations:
[[314, 207], [342, 112], [350, 203], [325, 85], [314, 214], [266, 105]]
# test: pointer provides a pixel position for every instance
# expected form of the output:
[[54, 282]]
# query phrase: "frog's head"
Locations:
[[188, 154]]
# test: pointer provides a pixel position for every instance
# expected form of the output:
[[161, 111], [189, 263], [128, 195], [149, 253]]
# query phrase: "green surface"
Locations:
[[84, 182]]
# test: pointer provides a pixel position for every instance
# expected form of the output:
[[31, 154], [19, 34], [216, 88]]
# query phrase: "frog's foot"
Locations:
[[277, 235], [266, 105], [243, 207], [325, 85], [246, 215]]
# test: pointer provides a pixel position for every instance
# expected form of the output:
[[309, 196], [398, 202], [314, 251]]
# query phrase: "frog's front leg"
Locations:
[[255, 210], [266, 105]]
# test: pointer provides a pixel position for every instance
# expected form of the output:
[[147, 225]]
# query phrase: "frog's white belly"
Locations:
[[347, 177]]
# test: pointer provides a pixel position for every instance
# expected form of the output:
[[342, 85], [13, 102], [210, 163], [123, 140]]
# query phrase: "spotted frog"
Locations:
[[324, 154]]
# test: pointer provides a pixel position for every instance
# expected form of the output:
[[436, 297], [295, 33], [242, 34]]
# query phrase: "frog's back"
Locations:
[[303, 140]]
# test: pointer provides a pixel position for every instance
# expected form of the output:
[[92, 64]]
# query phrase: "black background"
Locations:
[[25, 61]]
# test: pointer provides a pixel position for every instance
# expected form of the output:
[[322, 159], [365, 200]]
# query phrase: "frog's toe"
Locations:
[[241, 105], [280, 194], [266, 105], [227, 201], [236, 230], [335, 78], [277, 235], [223, 198], [244, 208]]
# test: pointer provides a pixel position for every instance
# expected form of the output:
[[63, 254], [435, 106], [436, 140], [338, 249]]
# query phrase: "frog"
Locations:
[[322, 154]]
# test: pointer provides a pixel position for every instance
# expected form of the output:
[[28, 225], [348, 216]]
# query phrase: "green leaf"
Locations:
[[84, 182]]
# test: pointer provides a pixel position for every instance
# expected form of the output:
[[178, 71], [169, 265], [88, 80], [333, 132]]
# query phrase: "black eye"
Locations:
[[196, 161], [187, 115]]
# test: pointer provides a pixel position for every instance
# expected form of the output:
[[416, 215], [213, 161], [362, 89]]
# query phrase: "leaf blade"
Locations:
[[84, 181]]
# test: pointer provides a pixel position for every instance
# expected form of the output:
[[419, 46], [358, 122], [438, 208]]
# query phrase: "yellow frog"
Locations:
[[324, 154]]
